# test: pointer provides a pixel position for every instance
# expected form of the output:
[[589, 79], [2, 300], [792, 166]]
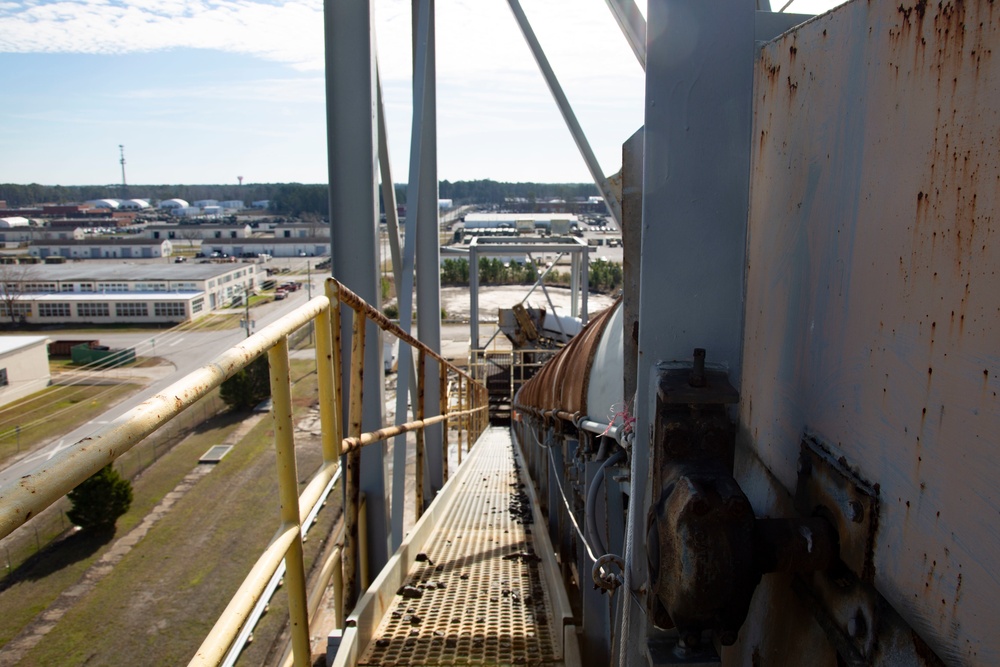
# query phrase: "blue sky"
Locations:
[[203, 91]]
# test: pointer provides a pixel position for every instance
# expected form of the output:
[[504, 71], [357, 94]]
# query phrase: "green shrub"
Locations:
[[100, 499], [248, 387]]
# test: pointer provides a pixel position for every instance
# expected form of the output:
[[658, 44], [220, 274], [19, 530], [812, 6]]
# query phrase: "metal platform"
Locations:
[[473, 584]]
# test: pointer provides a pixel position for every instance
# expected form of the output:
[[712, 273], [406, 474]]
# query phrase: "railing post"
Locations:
[[328, 372], [363, 542], [336, 416], [288, 493], [443, 406], [462, 420], [338, 590], [419, 454], [352, 475]]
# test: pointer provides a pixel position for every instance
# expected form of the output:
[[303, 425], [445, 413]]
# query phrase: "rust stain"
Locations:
[[563, 382]]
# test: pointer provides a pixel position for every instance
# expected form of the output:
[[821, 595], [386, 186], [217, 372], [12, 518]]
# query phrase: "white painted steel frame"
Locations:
[[699, 84], [352, 153]]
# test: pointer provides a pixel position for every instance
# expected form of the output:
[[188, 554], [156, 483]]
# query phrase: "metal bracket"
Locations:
[[827, 486]]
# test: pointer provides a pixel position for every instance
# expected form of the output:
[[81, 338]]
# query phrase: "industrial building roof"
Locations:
[[113, 240], [10, 344], [130, 272]]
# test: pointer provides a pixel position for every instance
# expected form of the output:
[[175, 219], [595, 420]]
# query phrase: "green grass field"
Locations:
[[164, 596], [53, 411]]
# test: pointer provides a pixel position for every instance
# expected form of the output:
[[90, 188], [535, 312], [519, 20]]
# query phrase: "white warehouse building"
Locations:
[[24, 366], [171, 204], [116, 247], [65, 293]]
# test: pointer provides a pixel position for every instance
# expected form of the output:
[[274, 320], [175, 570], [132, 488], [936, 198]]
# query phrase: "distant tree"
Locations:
[[12, 287], [248, 387], [100, 500], [190, 235]]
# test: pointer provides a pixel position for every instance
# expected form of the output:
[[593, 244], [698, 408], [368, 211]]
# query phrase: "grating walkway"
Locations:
[[477, 589]]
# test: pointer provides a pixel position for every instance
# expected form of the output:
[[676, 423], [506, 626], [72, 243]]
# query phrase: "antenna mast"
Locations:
[[121, 151]]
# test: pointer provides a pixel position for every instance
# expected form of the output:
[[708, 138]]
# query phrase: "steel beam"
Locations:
[[406, 378], [633, 26], [614, 206], [699, 84], [352, 149], [473, 298], [426, 228]]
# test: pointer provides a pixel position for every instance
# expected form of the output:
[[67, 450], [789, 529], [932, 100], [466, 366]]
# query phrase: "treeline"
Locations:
[[21, 196], [289, 198], [603, 276]]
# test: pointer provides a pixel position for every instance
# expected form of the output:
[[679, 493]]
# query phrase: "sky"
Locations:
[[204, 91]]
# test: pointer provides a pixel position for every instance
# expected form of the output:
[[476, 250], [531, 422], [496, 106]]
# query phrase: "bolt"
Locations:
[[697, 377], [856, 511]]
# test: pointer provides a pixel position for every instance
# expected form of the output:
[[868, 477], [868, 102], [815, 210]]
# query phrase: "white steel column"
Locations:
[[352, 149], [699, 84], [426, 230]]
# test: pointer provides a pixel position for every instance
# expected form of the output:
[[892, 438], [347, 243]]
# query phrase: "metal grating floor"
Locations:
[[477, 594]]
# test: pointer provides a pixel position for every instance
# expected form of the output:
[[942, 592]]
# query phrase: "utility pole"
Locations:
[[246, 308], [309, 281]]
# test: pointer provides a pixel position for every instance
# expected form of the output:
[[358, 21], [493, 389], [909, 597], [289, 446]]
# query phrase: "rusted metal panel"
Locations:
[[562, 383], [872, 293]]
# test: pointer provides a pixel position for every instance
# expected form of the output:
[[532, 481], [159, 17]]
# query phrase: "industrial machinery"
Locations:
[[535, 328]]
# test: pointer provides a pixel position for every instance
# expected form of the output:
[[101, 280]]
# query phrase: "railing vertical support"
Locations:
[[329, 415], [338, 591], [463, 420], [352, 475], [288, 493], [443, 396], [363, 542], [419, 454]]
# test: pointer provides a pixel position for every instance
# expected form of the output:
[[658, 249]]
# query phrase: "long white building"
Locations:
[[117, 247], [58, 294]]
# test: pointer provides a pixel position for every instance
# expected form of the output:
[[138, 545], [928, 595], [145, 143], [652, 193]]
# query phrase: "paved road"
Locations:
[[187, 351]]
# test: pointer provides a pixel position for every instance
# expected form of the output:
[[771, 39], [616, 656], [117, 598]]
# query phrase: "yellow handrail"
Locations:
[[28, 496]]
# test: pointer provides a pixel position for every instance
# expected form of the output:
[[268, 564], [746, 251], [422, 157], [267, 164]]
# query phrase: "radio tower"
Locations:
[[121, 151]]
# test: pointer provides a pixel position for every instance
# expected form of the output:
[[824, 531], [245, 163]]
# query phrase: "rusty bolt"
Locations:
[[697, 377], [857, 626], [856, 511]]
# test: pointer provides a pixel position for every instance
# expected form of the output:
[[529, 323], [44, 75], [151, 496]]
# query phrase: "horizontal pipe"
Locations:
[[214, 648], [317, 488], [27, 496], [352, 444], [600, 428]]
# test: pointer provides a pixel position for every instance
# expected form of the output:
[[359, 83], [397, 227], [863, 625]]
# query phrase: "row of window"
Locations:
[[48, 288], [160, 309]]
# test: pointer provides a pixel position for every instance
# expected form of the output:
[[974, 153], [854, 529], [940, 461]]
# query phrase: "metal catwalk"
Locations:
[[477, 585]]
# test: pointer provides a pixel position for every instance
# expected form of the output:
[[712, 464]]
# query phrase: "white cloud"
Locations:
[[288, 33]]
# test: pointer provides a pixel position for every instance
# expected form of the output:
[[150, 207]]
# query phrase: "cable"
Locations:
[[589, 512]]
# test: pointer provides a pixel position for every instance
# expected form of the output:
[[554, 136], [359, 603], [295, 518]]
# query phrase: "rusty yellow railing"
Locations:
[[28, 496]]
